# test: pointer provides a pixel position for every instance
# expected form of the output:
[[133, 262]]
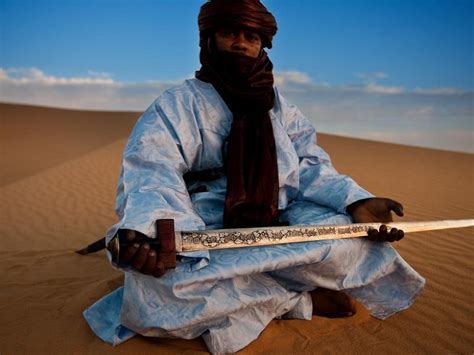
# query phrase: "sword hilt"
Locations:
[[163, 244]]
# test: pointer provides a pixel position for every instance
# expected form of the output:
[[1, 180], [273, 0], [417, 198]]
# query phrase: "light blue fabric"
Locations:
[[229, 296]]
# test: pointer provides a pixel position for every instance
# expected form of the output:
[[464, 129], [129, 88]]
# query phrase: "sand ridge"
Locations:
[[36, 138], [49, 210]]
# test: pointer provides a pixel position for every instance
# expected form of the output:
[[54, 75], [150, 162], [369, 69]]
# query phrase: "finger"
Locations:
[[140, 257], [130, 252], [159, 269], [400, 234], [382, 233], [392, 236], [395, 207], [129, 235], [372, 234], [150, 263]]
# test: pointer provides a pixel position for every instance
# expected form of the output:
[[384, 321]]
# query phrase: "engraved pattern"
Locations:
[[229, 239]]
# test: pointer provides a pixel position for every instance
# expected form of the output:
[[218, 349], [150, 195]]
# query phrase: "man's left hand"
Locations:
[[377, 210]]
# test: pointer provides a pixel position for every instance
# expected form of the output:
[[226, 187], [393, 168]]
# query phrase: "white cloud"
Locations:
[[434, 117], [429, 117], [370, 84], [96, 74], [373, 88], [23, 76], [96, 90], [421, 112], [370, 77], [291, 77], [439, 91]]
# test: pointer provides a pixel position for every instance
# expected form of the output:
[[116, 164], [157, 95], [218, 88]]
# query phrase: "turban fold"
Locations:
[[251, 14]]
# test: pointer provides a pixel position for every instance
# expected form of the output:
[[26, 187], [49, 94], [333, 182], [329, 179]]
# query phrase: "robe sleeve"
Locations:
[[319, 181], [151, 184]]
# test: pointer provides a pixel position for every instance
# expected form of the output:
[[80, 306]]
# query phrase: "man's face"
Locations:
[[240, 41]]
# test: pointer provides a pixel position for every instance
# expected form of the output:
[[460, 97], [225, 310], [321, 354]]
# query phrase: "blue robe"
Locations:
[[229, 296]]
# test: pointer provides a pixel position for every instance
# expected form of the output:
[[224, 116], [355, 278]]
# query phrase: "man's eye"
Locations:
[[253, 38], [228, 33]]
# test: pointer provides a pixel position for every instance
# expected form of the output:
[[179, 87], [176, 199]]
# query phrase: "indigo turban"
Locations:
[[251, 14]]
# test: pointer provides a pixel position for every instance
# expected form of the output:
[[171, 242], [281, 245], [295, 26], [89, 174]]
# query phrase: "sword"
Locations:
[[171, 241]]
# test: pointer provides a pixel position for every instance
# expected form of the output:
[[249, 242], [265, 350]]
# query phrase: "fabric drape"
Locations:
[[246, 85]]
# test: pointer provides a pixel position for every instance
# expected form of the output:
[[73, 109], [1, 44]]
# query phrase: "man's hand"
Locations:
[[377, 210], [140, 256]]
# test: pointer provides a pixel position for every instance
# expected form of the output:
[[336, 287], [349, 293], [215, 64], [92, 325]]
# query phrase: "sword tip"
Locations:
[[83, 251]]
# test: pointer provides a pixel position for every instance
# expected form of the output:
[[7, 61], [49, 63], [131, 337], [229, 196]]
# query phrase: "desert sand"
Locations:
[[58, 177]]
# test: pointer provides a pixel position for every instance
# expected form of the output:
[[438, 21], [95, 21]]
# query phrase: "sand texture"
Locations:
[[58, 177]]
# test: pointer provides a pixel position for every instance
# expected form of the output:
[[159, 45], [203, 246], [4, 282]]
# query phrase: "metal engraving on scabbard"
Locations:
[[222, 238]]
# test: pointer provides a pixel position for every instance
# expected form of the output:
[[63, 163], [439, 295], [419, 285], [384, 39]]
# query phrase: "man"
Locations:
[[226, 150]]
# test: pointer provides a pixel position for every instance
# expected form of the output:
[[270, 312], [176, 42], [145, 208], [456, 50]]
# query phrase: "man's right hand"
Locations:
[[140, 256]]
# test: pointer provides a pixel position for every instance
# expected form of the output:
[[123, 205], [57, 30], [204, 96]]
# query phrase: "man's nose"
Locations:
[[239, 41]]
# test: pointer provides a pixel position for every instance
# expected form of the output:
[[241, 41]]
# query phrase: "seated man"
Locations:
[[227, 150]]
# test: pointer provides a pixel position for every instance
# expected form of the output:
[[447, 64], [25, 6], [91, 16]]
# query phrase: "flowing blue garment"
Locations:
[[229, 296]]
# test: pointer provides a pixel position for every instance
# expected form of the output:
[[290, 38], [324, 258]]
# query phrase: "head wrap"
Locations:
[[251, 14], [246, 86]]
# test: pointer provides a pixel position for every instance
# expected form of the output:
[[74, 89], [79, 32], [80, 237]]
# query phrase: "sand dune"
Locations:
[[36, 138], [59, 171]]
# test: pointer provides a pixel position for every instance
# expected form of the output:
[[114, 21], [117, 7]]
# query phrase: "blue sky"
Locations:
[[379, 69]]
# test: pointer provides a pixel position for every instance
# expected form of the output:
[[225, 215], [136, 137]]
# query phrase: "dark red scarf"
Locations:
[[246, 85]]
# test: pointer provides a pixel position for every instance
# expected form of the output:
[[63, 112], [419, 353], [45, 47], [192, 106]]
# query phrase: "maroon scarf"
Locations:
[[246, 85]]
